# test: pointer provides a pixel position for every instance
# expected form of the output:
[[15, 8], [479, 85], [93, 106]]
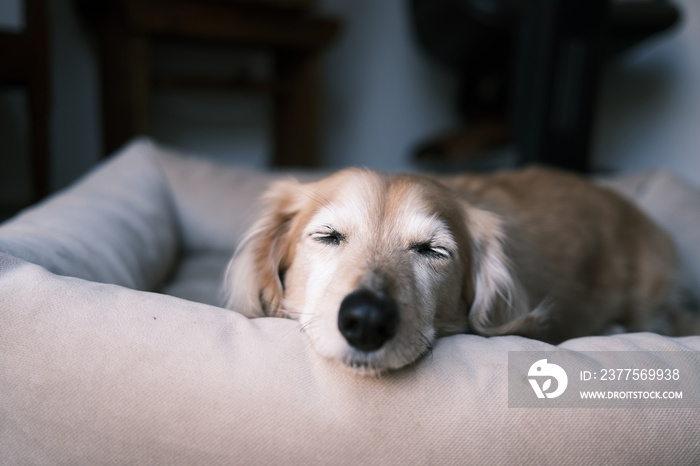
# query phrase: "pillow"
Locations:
[[116, 225]]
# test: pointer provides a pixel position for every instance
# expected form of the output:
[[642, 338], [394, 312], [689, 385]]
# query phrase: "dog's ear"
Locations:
[[255, 276], [500, 304]]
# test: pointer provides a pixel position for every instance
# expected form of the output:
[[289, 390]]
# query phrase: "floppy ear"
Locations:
[[254, 278], [500, 303]]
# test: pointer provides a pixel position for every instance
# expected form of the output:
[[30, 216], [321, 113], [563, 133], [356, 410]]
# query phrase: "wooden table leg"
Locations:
[[125, 75], [296, 110]]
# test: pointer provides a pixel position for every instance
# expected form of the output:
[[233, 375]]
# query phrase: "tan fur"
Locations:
[[537, 252]]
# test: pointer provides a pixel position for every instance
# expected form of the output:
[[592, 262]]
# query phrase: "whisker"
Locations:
[[304, 327], [289, 312]]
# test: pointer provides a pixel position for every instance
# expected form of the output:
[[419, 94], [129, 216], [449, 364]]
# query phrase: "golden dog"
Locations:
[[376, 267]]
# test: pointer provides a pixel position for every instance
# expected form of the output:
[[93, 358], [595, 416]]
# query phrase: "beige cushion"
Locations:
[[673, 204], [98, 368]]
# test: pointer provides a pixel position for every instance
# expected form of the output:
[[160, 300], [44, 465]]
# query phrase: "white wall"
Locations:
[[383, 95], [649, 113]]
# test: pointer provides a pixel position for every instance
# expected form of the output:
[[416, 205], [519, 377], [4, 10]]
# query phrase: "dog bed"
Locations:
[[114, 350]]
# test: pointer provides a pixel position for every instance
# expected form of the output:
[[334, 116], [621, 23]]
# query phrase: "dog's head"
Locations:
[[375, 267]]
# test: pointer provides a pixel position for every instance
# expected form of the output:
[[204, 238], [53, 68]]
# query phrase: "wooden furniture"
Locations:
[[25, 63], [127, 29], [530, 71]]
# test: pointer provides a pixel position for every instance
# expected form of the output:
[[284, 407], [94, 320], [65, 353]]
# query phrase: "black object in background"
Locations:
[[536, 61]]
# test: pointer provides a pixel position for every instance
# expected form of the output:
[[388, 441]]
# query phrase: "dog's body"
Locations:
[[376, 267]]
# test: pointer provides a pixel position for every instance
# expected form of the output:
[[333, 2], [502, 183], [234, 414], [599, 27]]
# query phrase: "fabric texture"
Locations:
[[113, 349]]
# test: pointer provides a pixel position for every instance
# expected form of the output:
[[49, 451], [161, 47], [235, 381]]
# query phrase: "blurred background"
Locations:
[[396, 85]]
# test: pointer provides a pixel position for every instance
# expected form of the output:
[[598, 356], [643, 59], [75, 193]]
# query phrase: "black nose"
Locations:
[[367, 320]]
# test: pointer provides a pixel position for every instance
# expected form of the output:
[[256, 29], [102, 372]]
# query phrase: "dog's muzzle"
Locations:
[[368, 320]]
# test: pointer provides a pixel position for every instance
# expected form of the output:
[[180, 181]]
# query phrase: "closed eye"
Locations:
[[430, 250], [328, 236]]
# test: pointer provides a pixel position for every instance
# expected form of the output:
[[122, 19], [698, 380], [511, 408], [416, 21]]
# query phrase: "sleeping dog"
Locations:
[[376, 267]]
